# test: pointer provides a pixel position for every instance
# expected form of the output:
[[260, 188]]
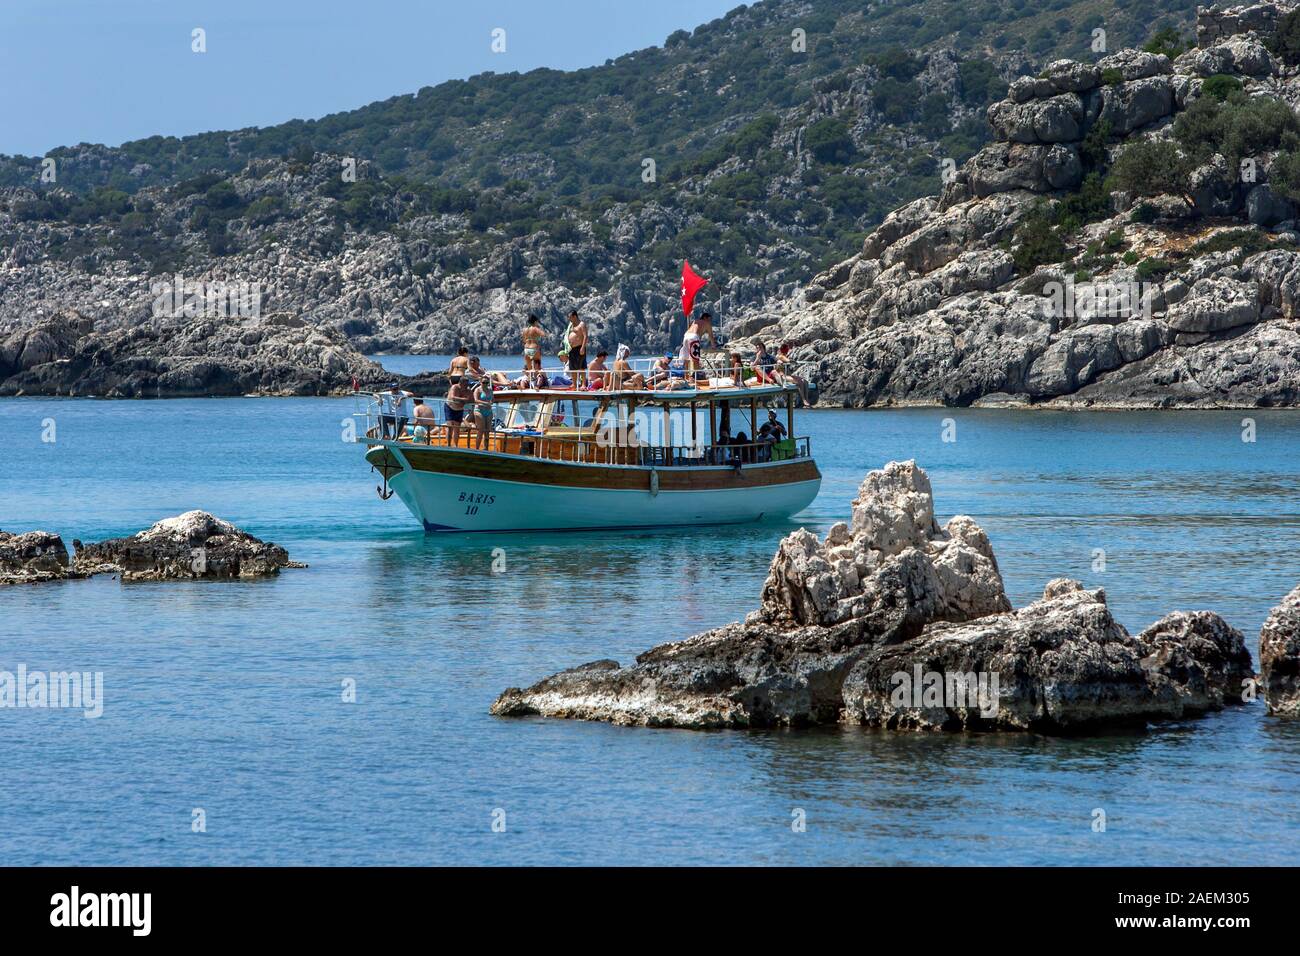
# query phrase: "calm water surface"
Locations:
[[227, 696]]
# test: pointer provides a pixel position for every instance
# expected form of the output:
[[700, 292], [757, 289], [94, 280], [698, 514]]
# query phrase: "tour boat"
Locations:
[[574, 459]]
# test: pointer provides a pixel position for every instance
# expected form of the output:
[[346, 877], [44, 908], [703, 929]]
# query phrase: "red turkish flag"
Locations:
[[691, 284]]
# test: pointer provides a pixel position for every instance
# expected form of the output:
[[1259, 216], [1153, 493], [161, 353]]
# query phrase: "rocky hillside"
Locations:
[[780, 135], [1129, 238]]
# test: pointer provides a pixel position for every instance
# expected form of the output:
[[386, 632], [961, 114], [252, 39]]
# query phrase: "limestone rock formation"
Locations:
[[1187, 300], [70, 354], [191, 545], [1279, 657], [894, 622], [32, 557]]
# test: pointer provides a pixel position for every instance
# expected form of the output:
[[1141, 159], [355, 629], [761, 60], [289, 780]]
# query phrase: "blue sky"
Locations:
[[108, 71]]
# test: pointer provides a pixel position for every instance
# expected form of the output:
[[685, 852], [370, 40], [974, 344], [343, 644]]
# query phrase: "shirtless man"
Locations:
[[623, 376], [460, 364], [577, 334], [598, 371], [692, 343], [532, 335], [457, 397]]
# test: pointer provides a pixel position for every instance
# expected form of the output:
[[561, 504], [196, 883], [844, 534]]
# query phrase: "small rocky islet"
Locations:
[[852, 629], [185, 547]]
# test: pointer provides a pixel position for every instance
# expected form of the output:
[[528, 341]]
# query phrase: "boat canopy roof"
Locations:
[[656, 395]]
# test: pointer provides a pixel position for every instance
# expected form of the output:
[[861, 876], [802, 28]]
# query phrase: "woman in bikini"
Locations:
[[532, 336], [483, 398], [781, 372]]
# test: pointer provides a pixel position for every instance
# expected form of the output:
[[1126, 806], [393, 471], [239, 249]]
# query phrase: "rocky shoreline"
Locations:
[[1179, 299], [72, 355], [186, 547], [894, 623]]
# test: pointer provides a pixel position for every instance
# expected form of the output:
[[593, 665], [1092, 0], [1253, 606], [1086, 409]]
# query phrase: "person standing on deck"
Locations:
[[457, 397], [459, 364], [692, 343], [392, 418], [577, 341], [483, 398], [532, 336]]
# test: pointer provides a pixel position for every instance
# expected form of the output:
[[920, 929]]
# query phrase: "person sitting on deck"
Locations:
[[425, 419], [598, 372], [659, 371], [477, 371], [771, 433], [483, 399], [623, 376], [781, 372], [764, 363], [743, 452], [457, 397], [737, 370]]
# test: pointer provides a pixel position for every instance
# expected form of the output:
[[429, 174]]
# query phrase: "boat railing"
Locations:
[[588, 446], [714, 367]]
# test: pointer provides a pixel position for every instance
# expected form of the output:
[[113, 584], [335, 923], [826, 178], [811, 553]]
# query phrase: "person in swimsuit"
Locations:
[[692, 343], [598, 372], [459, 364], [456, 399], [623, 376], [781, 373], [577, 339], [477, 371], [737, 369], [424, 418], [532, 336], [483, 399]]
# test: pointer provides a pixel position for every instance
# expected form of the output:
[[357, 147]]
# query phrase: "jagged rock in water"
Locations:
[[1202, 657], [1279, 657], [864, 626], [191, 545], [32, 557]]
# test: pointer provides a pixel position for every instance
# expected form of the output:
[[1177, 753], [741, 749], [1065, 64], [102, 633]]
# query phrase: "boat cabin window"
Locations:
[[523, 415]]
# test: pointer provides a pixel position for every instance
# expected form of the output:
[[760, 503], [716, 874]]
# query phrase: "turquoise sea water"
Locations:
[[227, 696]]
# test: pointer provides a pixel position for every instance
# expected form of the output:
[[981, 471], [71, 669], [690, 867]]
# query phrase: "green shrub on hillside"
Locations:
[[829, 141], [1168, 41], [1220, 86], [1151, 269], [1150, 168], [1037, 241], [1237, 126], [1285, 41], [1284, 175]]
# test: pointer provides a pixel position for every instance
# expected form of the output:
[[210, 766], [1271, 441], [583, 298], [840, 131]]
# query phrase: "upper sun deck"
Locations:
[[701, 393]]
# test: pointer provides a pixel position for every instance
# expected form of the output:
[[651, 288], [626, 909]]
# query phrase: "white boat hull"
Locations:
[[459, 503]]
